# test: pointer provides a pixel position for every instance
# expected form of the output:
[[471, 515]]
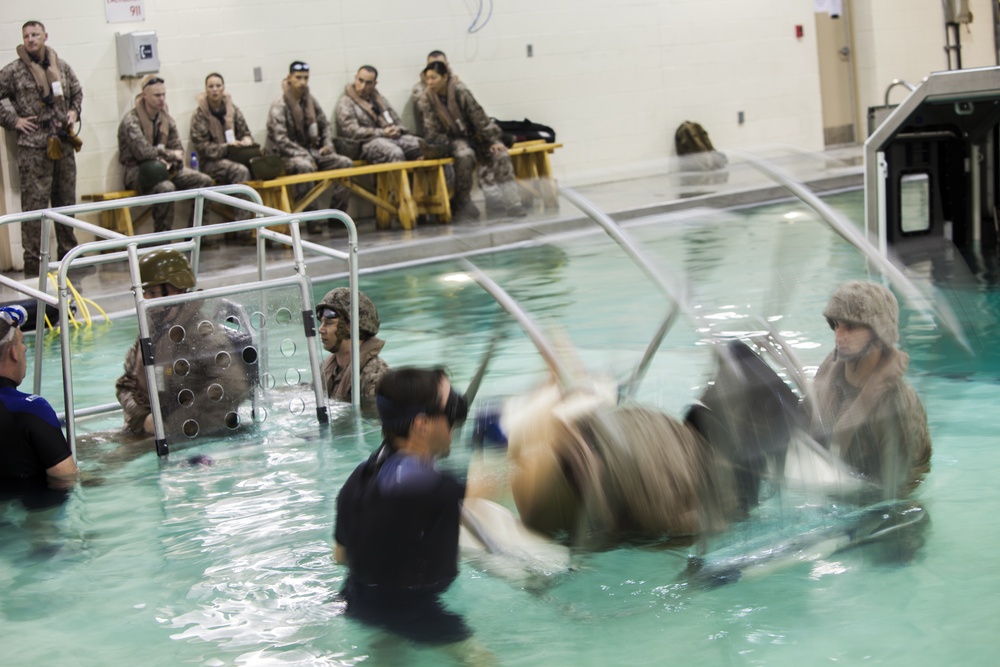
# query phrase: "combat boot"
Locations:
[[464, 211]]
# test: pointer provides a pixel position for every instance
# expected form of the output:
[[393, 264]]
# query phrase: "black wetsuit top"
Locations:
[[398, 519], [32, 442]]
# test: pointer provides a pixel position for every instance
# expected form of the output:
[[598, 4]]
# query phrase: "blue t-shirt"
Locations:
[[33, 440], [398, 518]]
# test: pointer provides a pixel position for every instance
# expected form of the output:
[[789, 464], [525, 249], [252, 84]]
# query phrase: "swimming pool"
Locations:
[[168, 563]]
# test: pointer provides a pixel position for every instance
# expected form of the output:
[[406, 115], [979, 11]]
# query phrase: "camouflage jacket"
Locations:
[[879, 430], [201, 136], [373, 368], [285, 139], [18, 85], [354, 122], [134, 148], [480, 128], [132, 391]]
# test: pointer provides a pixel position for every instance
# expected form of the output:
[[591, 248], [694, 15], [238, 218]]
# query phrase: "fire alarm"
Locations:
[[799, 32]]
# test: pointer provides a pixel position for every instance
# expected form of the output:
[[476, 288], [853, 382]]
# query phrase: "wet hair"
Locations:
[[214, 74], [436, 54], [28, 24], [439, 67], [403, 394], [369, 68]]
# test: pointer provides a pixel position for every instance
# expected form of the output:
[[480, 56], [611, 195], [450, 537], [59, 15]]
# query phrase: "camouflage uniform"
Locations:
[[879, 428], [212, 154], [417, 92], [134, 149], [353, 122], [132, 389], [42, 180], [286, 140], [373, 368], [496, 173]]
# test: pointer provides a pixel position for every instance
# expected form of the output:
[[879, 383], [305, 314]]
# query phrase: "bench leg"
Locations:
[[404, 196], [430, 193], [383, 190], [546, 183], [119, 220]]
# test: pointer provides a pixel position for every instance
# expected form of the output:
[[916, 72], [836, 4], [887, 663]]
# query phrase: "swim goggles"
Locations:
[[14, 317], [328, 314]]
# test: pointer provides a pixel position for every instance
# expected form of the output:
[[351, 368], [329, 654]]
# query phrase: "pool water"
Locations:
[[167, 562]]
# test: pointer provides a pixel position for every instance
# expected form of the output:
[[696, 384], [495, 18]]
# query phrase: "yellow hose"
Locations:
[[81, 302]]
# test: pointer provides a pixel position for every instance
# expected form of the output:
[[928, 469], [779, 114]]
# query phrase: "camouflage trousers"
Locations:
[[317, 162], [45, 183], [185, 179], [496, 175], [227, 172], [384, 149]]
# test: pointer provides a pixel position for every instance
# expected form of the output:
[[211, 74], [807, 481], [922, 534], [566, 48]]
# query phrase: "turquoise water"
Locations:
[[167, 563]]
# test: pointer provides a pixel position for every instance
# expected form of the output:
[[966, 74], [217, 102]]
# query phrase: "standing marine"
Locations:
[[45, 104]]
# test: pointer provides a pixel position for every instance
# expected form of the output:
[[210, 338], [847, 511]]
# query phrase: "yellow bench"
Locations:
[[393, 195], [533, 170], [120, 219], [117, 219]]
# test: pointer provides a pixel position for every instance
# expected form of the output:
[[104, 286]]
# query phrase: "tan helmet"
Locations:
[[165, 267], [339, 299], [866, 303]]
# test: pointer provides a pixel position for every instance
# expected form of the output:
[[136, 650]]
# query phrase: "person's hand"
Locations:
[[326, 150], [71, 117], [393, 131], [26, 124], [246, 141], [178, 155], [147, 424], [498, 149]]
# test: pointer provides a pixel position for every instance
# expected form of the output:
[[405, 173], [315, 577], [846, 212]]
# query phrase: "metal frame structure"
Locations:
[[117, 247], [955, 112]]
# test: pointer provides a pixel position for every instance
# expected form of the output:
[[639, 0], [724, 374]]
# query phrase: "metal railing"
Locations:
[[113, 246]]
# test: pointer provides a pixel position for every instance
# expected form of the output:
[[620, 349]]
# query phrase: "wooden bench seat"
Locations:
[[393, 195], [533, 170]]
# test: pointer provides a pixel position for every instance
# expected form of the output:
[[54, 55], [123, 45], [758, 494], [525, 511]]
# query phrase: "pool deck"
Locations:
[[653, 189]]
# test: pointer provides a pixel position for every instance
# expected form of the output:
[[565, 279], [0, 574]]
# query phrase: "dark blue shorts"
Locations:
[[418, 616]]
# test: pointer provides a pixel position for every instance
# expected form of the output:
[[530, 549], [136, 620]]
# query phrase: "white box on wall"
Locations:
[[138, 53]]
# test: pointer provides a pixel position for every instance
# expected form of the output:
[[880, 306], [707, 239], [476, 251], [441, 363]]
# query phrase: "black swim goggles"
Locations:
[[455, 409]]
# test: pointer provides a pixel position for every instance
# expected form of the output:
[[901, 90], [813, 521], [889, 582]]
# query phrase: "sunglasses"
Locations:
[[300, 67], [455, 409], [152, 82], [329, 314]]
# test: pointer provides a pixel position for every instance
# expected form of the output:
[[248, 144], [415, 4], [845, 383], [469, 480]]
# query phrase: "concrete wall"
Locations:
[[614, 78]]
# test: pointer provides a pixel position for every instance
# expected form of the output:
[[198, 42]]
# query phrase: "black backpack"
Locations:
[[525, 130], [695, 148]]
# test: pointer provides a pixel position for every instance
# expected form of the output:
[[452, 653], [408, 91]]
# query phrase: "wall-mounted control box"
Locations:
[[138, 53]]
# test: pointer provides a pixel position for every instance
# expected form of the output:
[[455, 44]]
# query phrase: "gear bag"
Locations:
[[525, 130], [695, 148]]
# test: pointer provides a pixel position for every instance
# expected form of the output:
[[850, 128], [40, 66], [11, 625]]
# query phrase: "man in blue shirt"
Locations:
[[398, 516], [34, 454]]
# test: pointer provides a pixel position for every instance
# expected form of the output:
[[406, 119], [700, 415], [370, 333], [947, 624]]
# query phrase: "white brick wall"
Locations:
[[613, 78]]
